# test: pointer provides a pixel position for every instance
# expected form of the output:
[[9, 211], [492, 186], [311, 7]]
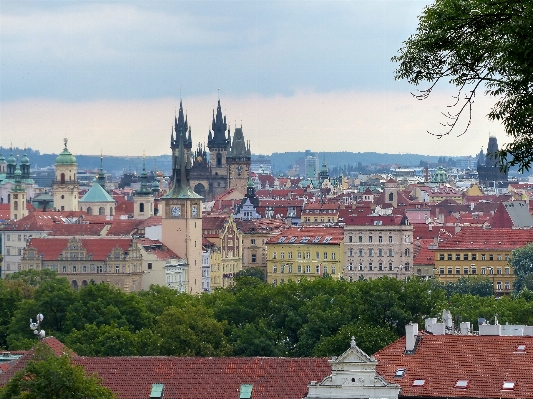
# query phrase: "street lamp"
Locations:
[[36, 327]]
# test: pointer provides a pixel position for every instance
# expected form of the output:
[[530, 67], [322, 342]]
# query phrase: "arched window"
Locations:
[[16, 205], [89, 210], [74, 285], [62, 178], [391, 196], [101, 210], [219, 159], [141, 207]]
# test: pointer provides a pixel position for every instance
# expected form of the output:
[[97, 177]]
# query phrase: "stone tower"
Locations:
[[17, 206], [238, 161], [143, 200], [65, 186], [218, 144], [182, 217]]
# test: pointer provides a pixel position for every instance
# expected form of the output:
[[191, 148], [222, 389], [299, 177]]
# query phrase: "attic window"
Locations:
[[305, 239], [317, 239], [246, 391], [521, 349], [293, 239], [463, 384], [157, 391], [508, 386], [419, 383], [327, 239], [282, 239], [399, 373]]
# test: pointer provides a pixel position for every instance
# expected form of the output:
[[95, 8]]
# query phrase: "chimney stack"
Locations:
[[411, 332]]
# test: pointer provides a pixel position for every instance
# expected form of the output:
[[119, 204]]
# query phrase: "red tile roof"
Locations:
[[207, 377], [372, 220], [100, 247], [75, 229], [314, 235], [485, 361], [495, 239]]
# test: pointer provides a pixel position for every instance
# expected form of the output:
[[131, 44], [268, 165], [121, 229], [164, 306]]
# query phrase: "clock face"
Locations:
[[199, 158], [194, 210], [176, 211]]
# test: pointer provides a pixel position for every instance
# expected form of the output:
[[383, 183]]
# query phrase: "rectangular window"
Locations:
[[380, 266], [254, 258], [282, 255], [390, 238], [449, 256], [325, 255], [349, 238], [149, 265], [282, 268], [332, 269], [360, 252], [289, 267], [317, 269], [507, 270], [450, 270], [507, 257], [441, 256], [499, 270], [483, 257], [290, 255], [333, 255], [299, 268], [483, 270], [99, 269], [499, 257], [308, 269], [299, 255], [274, 255], [380, 238], [308, 255], [465, 270], [84, 269], [441, 270], [360, 266], [507, 285], [117, 269], [465, 256], [457, 256], [325, 269], [369, 238], [457, 270], [252, 241], [380, 252], [474, 270], [317, 255], [474, 256], [491, 257], [370, 266], [360, 238], [274, 268]]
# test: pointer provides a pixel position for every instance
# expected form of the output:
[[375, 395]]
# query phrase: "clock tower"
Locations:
[[239, 160], [65, 187], [182, 216]]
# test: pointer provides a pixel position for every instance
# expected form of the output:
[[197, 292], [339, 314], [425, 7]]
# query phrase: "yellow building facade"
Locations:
[[307, 252]]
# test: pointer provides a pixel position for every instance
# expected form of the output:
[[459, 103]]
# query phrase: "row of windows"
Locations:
[[322, 220], [471, 257], [380, 267], [370, 239], [300, 254], [304, 269], [380, 252], [473, 270]]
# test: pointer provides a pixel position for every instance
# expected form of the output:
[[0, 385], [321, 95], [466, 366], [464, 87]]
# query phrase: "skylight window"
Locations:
[[463, 384], [293, 239], [327, 239], [305, 239], [419, 383], [317, 239], [521, 349], [400, 373], [282, 239], [508, 385]]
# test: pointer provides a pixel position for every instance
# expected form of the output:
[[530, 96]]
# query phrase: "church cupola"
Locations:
[[11, 165]]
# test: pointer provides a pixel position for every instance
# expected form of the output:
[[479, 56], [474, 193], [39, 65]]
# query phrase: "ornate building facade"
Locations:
[[225, 164]]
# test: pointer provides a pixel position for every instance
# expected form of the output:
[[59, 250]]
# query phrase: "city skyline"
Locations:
[[297, 75]]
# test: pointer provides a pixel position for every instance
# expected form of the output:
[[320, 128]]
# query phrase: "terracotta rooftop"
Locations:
[[372, 220], [207, 377], [99, 247], [485, 362], [495, 239], [309, 235]]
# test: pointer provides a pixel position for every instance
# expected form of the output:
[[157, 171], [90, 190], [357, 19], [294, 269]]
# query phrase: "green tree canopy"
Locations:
[[473, 45], [48, 376], [522, 263]]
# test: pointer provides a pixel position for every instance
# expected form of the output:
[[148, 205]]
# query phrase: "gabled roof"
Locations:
[[309, 235], [96, 194], [495, 239], [486, 362], [98, 247]]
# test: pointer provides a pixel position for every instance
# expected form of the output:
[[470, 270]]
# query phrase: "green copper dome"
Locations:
[[2, 158], [11, 159], [25, 160], [65, 158]]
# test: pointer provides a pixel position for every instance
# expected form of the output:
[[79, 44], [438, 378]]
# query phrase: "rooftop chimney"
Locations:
[[411, 332]]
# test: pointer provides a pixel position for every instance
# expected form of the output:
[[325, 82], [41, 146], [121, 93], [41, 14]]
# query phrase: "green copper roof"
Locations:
[[96, 194], [65, 158], [11, 159], [25, 160]]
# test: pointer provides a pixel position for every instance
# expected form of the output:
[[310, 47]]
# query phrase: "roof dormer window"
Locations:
[[521, 349]]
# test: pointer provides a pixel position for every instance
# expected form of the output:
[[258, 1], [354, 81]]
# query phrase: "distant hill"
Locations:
[[281, 161]]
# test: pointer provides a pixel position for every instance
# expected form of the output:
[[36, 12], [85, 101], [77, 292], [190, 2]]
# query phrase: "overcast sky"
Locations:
[[296, 74]]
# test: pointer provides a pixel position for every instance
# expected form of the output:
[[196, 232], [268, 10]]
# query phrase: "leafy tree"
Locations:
[[255, 272], [481, 286], [102, 341], [48, 376], [478, 44], [33, 277], [522, 263], [12, 293]]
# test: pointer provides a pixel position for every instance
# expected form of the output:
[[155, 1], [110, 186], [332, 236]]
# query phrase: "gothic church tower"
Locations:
[[239, 160]]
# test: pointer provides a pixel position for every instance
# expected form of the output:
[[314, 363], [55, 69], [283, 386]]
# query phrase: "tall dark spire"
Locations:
[[144, 190], [181, 172], [181, 127], [100, 178], [217, 138]]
